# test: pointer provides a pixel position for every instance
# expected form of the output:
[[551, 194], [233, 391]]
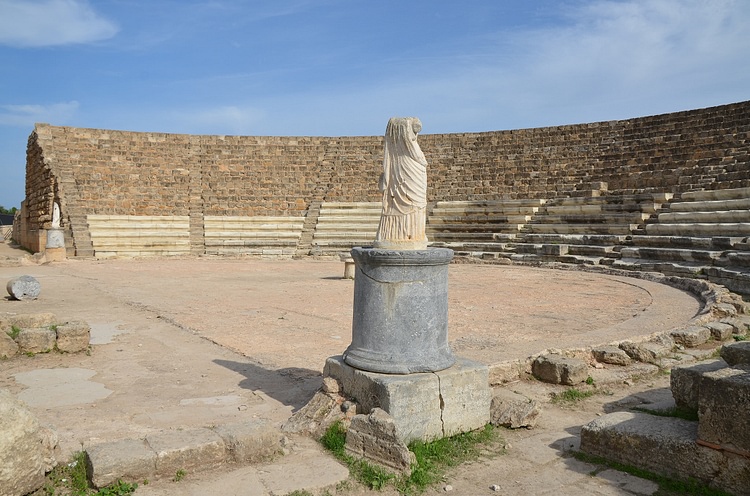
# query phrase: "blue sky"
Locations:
[[343, 67]]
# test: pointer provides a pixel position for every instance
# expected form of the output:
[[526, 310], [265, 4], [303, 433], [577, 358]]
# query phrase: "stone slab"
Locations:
[[127, 459], [188, 450], [692, 336], [684, 382], [250, 442], [557, 369], [424, 406], [736, 353], [73, 337], [724, 408], [36, 340]]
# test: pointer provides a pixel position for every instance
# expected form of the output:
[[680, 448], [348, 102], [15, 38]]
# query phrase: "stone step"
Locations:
[[460, 236], [571, 239], [321, 235], [682, 269], [736, 279], [490, 204], [645, 207], [436, 228], [267, 242], [664, 445], [327, 205], [478, 219], [671, 254], [712, 243], [710, 205], [657, 198], [611, 218], [623, 229], [713, 217], [256, 234], [699, 230], [473, 246], [569, 259], [738, 259], [320, 229], [718, 194]]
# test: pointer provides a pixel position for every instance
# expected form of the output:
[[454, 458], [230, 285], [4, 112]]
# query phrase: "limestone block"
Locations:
[[374, 437], [663, 445], [724, 408], [647, 352], [557, 369], [29, 320], [611, 354], [8, 347], [24, 454], [250, 442], [554, 250], [315, 417], [513, 410], [23, 288], [127, 459], [36, 340], [73, 337], [719, 331], [692, 336], [188, 450], [684, 381], [736, 353], [425, 406]]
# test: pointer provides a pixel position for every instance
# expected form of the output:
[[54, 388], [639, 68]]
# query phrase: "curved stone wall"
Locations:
[[102, 172]]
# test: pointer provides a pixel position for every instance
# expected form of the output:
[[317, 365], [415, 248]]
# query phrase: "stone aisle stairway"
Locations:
[[704, 234], [344, 225]]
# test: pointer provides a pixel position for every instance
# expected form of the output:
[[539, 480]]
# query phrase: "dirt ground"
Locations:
[[183, 342]]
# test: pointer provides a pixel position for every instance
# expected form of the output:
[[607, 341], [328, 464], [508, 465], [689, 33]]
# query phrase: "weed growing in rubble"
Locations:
[[571, 395], [14, 332], [432, 458], [70, 480]]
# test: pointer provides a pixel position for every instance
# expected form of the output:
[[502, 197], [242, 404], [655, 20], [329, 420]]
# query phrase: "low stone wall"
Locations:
[[101, 172]]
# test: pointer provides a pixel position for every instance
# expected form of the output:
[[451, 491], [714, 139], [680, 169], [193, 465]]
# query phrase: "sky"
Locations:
[[344, 67]]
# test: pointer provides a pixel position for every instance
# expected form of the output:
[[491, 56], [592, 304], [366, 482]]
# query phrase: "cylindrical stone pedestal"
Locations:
[[400, 321]]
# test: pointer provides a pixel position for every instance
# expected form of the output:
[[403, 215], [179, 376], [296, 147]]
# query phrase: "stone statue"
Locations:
[[404, 187], [55, 216]]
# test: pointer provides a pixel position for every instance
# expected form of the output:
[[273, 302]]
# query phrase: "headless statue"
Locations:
[[404, 187]]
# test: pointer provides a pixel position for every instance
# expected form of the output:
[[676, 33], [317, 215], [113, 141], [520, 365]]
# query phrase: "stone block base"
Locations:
[[424, 406], [55, 254]]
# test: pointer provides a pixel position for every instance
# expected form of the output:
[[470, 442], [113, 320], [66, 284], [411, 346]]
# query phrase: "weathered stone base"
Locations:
[[424, 406], [664, 445]]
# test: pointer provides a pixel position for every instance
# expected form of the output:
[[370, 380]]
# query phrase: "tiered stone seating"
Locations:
[[344, 225], [583, 230], [137, 236], [265, 236], [468, 227], [704, 234]]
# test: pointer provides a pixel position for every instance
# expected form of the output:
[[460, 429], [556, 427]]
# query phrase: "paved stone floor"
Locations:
[[188, 342]]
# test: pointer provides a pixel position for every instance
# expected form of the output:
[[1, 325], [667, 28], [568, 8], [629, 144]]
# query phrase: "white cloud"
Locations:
[[37, 23], [28, 115], [235, 119]]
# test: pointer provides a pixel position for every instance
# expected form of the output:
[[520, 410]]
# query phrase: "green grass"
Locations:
[[14, 332], [740, 337], [70, 480], [667, 486], [432, 458], [572, 395]]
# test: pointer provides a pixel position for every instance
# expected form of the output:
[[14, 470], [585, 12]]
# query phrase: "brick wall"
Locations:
[[92, 171]]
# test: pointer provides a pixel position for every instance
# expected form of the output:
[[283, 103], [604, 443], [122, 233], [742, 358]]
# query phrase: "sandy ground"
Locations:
[[199, 341]]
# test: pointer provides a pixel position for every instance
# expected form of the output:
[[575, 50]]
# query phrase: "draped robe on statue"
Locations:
[[404, 187]]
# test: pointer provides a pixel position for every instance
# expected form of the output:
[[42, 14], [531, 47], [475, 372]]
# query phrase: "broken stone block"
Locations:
[[23, 288], [29, 320], [691, 337], [736, 353], [127, 459], [26, 448], [513, 410], [684, 381], [719, 331], [8, 347], [250, 442], [557, 369], [374, 438], [73, 337], [189, 449], [611, 355], [723, 408], [36, 340], [647, 352], [315, 417]]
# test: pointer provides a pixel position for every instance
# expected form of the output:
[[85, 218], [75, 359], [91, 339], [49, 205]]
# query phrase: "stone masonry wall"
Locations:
[[93, 171]]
